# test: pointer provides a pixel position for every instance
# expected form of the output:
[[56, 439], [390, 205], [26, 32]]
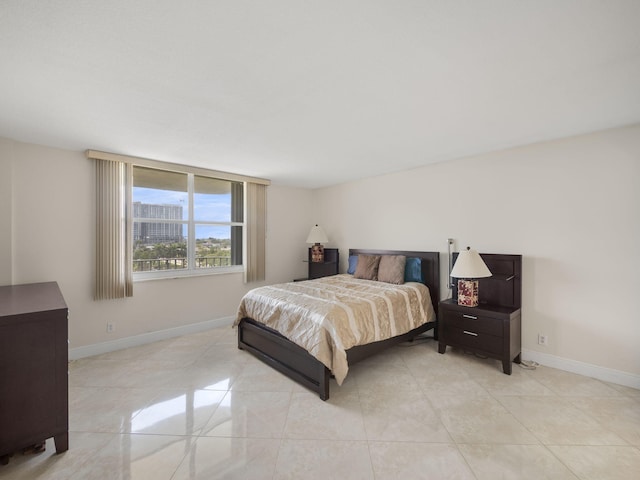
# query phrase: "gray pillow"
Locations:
[[391, 269], [367, 267]]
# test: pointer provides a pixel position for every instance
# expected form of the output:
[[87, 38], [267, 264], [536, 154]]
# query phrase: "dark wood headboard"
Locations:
[[430, 268], [504, 287]]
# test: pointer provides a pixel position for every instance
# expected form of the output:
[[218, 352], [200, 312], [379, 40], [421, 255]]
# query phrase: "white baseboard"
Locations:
[[137, 340], [601, 373]]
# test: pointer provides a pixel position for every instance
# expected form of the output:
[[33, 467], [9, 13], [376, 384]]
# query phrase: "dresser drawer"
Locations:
[[474, 339], [474, 322]]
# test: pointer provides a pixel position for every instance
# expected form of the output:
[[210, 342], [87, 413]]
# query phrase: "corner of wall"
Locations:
[[6, 211]]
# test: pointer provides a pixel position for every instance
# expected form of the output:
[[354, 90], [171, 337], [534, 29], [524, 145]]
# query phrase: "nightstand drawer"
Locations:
[[474, 339], [474, 322]]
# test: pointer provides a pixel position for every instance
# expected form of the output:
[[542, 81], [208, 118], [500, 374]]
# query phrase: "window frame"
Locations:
[[191, 224]]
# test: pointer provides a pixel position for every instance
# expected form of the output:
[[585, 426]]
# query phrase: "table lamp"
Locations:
[[317, 237], [468, 268]]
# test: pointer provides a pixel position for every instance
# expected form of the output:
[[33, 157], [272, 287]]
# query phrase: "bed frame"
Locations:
[[296, 363]]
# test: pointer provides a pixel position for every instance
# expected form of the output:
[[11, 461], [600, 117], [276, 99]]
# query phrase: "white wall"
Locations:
[[570, 207], [52, 193]]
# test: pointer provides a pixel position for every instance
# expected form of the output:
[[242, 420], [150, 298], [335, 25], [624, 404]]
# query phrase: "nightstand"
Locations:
[[490, 331], [326, 268], [493, 328]]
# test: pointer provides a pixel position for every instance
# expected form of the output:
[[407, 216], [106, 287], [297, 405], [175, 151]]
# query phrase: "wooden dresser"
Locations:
[[34, 392], [493, 328]]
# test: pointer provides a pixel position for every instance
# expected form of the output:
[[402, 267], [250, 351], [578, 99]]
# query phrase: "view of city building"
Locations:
[[150, 233]]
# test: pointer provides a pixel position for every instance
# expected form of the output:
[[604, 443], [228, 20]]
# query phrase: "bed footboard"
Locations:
[[283, 355]]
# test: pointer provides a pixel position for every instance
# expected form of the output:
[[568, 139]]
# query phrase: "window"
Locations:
[[185, 223]]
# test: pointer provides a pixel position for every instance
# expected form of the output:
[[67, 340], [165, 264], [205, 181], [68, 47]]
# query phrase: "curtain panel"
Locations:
[[114, 269], [256, 232]]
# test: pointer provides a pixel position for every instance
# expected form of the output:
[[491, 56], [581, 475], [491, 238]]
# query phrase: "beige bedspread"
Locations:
[[329, 315]]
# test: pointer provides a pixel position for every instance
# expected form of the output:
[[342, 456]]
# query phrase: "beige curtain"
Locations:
[[114, 275], [256, 232]]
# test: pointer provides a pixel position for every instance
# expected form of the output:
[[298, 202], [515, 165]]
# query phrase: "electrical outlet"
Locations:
[[110, 328], [543, 340]]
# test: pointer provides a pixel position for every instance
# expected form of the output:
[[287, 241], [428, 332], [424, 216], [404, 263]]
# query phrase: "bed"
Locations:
[[294, 361]]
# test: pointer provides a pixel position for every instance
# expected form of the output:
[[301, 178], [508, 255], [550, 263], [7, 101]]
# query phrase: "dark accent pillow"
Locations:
[[353, 262], [367, 267], [391, 269], [413, 270]]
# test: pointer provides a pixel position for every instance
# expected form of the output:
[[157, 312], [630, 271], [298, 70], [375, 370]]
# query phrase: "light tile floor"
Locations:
[[197, 407]]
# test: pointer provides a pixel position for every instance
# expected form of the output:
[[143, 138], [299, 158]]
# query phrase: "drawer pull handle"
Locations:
[[470, 316], [470, 333]]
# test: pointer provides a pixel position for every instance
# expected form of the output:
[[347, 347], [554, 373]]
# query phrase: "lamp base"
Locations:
[[468, 293], [317, 253]]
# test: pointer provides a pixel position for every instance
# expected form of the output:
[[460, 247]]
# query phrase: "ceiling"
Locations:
[[311, 94]]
